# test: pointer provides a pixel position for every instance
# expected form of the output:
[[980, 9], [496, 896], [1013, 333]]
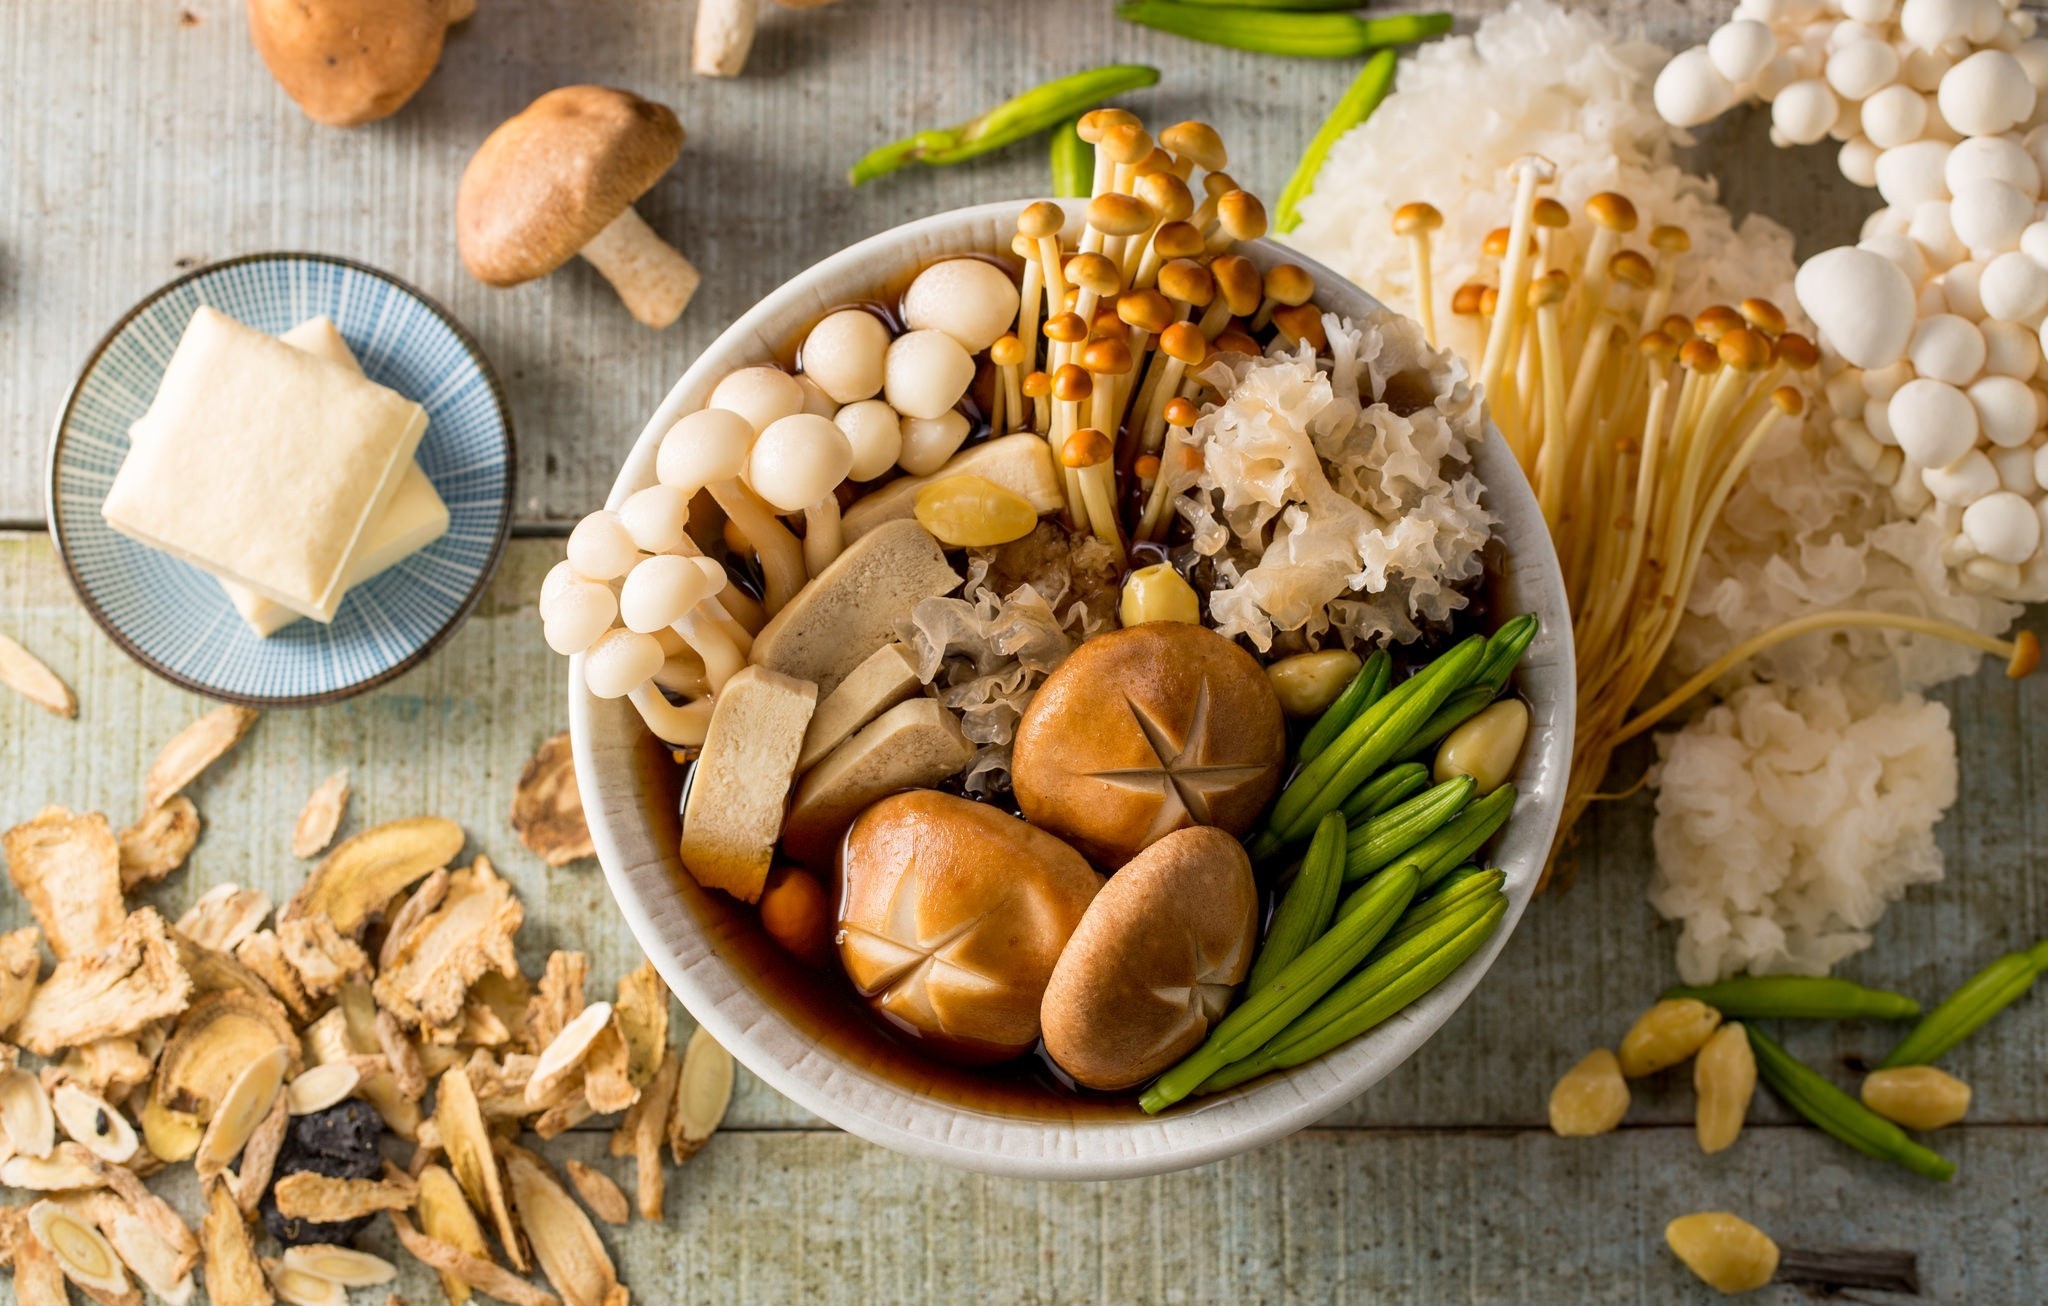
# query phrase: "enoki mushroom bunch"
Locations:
[[1634, 422]]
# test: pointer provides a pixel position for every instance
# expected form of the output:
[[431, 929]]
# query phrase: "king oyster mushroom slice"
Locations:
[[560, 179], [94, 1123], [1154, 961]]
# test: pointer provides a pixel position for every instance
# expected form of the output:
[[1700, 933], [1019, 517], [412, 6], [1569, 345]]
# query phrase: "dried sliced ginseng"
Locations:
[[641, 1133], [445, 1214], [468, 1144], [599, 1193], [233, 1275], [68, 867], [94, 1123], [26, 1117], [564, 1241], [67, 1168], [259, 1156], [321, 955], [110, 994], [466, 936], [296, 1287], [324, 1200], [606, 1084], [322, 1086], [343, 1265], [547, 808], [240, 1111], [159, 843], [20, 963], [82, 1251], [364, 872], [703, 1092], [224, 916], [418, 905], [192, 750], [563, 1056], [321, 816], [25, 674], [558, 998], [471, 1268], [214, 1042], [642, 1009]]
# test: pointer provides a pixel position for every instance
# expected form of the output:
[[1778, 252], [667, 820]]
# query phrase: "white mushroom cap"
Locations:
[[1870, 11], [600, 548], [799, 461], [2010, 349], [620, 662], [1779, 73], [2034, 242], [2033, 56], [1858, 161], [1862, 67], [1922, 70], [2007, 412], [1893, 116], [1936, 236], [1964, 481], [1989, 216], [1740, 49], [2014, 288], [1902, 250], [2041, 468], [875, 433], [759, 394], [1986, 94], [2015, 468], [1934, 422], [1934, 301], [1804, 111], [1839, 34], [925, 372], [843, 354], [576, 612], [1690, 90], [708, 446], [970, 299], [1912, 173], [1960, 289], [1881, 383], [1932, 24], [660, 590], [1860, 301], [1845, 393], [1877, 421], [2003, 526], [1947, 348], [1992, 158], [816, 402], [928, 443], [656, 517]]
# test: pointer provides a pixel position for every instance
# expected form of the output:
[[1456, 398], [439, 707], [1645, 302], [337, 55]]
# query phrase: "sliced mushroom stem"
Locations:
[[723, 36], [653, 279], [679, 727], [823, 539], [782, 558]]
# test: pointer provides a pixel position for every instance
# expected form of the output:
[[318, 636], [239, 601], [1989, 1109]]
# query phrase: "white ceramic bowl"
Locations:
[[791, 1034]]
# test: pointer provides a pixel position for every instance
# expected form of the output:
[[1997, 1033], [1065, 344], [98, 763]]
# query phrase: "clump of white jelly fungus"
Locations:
[[1933, 322], [1802, 532]]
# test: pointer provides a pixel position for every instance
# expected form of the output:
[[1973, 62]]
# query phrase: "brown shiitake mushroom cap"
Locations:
[[347, 62], [1154, 960], [951, 916], [548, 180], [1144, 731]]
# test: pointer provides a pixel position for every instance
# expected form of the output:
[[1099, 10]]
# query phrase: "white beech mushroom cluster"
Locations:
[[1933, 323]]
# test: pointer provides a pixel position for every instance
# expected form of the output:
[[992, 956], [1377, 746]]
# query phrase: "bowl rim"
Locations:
[[848, 1095], [59, 433]]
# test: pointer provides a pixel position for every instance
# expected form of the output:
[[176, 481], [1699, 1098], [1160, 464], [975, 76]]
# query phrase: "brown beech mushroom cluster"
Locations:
[[560, 179], [724, 34], [348, 62]]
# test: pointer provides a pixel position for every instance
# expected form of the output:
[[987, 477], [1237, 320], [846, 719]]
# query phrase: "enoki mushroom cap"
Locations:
[[1125, 143], [704, 448], [1301, 322], [1744, 350], [1037, 385], [1007, 351], [1216, 184], [1235, 341], [1182, 412], [1177, 239], [1146, 466], [1041, 219], [1287, 283], [1239, 282], [1549, 213], [1066, 329], [2026, 655], [1197, 142], [1117, 214], [576, 612], [1110, 357], [1184, 342], [1241, 215], [1071, 384], [1188, 281], [1797, 352], [1763, 315], [1678, 326], [656, 517], [1093, 272], [1085, 448], [1612, 211], [1715, 321], [1147, 310], [1700, 356], [1465, 300], [1631, 269], [1097, 121], [1415, 217], [1669, 239], [1544, 291], [1169, 196], [600, 548]]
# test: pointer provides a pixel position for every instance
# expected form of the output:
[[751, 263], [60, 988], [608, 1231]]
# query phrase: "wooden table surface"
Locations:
[[139, 138]]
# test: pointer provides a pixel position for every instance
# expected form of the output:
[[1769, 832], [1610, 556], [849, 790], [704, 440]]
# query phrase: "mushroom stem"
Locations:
[[1425, 290], [680, 727], [1087, 455], [654, 280], [683, 673], [823, 540], [743, 610], [724, 35], [782, 558], [458, 11], [721, 657], [1530, 171]]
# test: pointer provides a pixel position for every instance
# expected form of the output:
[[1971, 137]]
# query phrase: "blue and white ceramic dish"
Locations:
[[175, 619]]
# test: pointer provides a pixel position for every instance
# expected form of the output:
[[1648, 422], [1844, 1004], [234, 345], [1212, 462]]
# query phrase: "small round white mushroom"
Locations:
[[1903, 251], [1779, 73], [759, 394], [621, 661], [1892, 116], [1845, 393], [1740, 49], [1881, 383], [600, 547], [797, 465], [1691, 90], [2015, 468], [1913, 173], [1960, 289], [970, 299], [574, 610], [707, 450], [656, 518], [2007, 411], [1877, 420], [663, 593], [1964, 481], [2041, 467], [1858, 161], [2032, 53], [876, 434], [1804, 111], [843, 354], [1989, 216], [1933, 422], [1860, 301], [1932, 24], [1936, 236], [1992, 158], [1934, 300], [1947, 348], [2010, 349], [1872, 12], [2014, 288], [2003, 526], [1986, 93], [1922, 69], [816, 402], [929, 442], [1860, 68], [925, 373]]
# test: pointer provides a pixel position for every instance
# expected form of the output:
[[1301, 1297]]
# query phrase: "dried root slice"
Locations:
[[321, 816], [343, 1265], [642, 1009], [559, 999], [263, 956], [364, 872], [67, 865], [192, 750], [138, 980], [68, 1168], [702, 1095], [163, 1222], [25, 1114], [170, 1135], [419, 905], [466, 936], [240, 1111], [38, 1275], [224, 916], [233, 1275], [641, 1133], [25, 674], [468, 1144], [322, 1086], [563, 1116], [469, 1267], [445, 1214], [164, 1266], [259, 1156], [564, 1241], [317, 1197], [599, 1193], [223, 1034], [94, 1123], [159, 843], [298, 1288], [507, 998], [401, 1056], [607, 1085], [547, 807], [20, 965], [323, 959], [82, 1251], [111, 1067], [564, 1055]]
